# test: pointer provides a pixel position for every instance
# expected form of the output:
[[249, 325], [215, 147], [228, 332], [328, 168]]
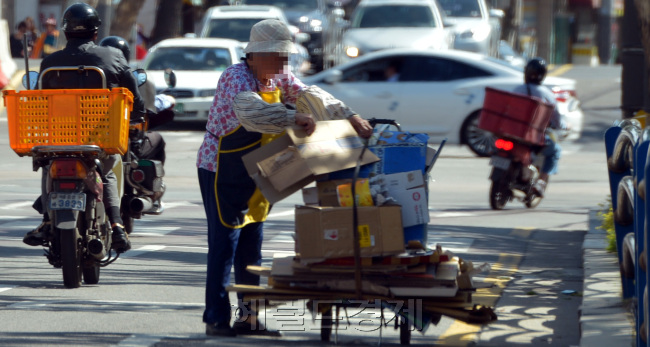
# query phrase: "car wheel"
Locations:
[[479, 141]]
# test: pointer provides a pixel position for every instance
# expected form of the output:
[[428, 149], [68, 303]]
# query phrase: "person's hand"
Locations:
[[363, 128], [306, 121]]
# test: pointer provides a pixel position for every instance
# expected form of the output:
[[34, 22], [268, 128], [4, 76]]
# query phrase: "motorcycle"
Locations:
[[69, 148], [143, 177], [519, 123], [515, 169]]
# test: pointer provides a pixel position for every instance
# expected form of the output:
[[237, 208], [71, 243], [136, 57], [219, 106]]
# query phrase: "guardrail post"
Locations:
[[619, 144], [640, 227]]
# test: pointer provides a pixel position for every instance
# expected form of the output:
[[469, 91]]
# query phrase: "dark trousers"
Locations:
[[226, 246]]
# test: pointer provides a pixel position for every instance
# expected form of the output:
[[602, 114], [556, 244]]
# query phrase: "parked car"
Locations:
[[198, 64], [471, 21], [382, 24], [437, 92], [313, 17], [235, 22]]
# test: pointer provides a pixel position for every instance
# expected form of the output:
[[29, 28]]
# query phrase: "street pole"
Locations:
[[104, 10], [605, 20], [633, 75], [544, 28]]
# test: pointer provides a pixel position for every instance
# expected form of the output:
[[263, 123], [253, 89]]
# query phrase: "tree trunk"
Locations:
[[125, 17], [168, 20]]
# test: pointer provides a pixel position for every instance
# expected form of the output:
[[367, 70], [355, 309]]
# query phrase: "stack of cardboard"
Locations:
[[324, 228], [325, 266]]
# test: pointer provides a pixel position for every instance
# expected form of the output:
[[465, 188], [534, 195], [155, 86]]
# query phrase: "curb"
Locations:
[[605, 318]]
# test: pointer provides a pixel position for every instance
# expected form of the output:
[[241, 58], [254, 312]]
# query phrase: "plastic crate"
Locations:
[[515, 116], [68, 117]]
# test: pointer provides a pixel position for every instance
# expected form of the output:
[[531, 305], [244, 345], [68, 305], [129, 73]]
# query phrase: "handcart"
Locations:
[[419, 286]]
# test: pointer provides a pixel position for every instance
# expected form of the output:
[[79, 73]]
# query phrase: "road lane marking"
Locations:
[[461, 333], [105, 305], [281, 214], [501, 273], [560, 70], [142, 250], [17, 205], [5, 288]]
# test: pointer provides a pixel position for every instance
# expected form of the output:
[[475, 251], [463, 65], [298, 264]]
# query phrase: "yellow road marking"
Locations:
[[460, 333], [561, 70]]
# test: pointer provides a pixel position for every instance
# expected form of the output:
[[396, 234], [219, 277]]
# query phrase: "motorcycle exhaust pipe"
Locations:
[[96, 249], [138, 205]]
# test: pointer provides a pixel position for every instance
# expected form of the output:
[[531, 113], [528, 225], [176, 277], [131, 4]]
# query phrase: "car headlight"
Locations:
[[352, 51], [206, 92], [312, 25]]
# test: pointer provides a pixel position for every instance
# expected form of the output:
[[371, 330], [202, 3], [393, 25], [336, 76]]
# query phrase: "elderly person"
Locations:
[[253, 104]]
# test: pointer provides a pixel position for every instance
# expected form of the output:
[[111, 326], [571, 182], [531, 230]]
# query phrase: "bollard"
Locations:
[[640, 226], [620, 144]]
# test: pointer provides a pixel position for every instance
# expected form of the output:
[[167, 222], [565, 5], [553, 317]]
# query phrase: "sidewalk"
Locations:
[[604, 318]]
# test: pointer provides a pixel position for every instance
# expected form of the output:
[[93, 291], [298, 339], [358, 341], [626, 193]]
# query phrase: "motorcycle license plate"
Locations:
[[65, 201], [500, 162]]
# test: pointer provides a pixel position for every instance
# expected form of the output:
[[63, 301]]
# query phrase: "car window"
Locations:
[[232, 28], [293, 5], [190, 58], [432, 69], [387, 16], [461, 8], [372, 71]]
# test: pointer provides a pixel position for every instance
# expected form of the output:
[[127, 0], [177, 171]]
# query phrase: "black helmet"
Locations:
[[535, 71], [119, 43], [81, 19]]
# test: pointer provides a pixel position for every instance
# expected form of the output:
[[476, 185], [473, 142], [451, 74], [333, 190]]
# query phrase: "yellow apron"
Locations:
[[239, 201]]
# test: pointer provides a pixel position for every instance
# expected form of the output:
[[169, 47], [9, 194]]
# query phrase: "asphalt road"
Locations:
[[153, 295]]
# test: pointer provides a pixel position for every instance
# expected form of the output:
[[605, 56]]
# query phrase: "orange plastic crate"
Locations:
[[68, 117], [515, 116]]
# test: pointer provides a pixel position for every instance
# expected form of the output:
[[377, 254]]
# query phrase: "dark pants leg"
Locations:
[[225, 247]]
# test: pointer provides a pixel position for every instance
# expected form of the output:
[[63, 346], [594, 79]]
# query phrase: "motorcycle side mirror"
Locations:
[[170, 78], [140, 76], [30, 80]]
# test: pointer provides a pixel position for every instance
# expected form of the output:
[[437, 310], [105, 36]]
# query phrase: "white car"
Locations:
[[382, 24], [235, 22], [198, 64], [438, 93], [470, 20]]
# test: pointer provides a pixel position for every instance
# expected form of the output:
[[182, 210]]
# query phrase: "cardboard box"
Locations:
[[326, 232], [292, 161], [407, 188]]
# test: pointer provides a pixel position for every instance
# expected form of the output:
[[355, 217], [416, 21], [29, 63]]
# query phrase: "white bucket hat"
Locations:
[[270, 35]]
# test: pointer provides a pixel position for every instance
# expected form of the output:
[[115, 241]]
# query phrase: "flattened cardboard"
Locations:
[[334, 145], [326, 232]]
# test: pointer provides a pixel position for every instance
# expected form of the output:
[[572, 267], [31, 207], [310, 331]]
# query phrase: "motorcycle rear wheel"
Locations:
[[71, 257], [499, 194]]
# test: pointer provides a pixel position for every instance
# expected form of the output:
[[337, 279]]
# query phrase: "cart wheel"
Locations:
[[326, 326], [404, 332]]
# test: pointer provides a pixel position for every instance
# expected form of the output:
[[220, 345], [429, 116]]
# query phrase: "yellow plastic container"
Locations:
[[68, 117], [362, 192]]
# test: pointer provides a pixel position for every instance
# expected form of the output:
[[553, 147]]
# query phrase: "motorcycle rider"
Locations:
[[80, 25], [534, 74], [153, 147]]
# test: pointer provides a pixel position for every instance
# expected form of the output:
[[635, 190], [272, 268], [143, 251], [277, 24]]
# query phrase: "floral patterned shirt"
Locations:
[[222, 118]]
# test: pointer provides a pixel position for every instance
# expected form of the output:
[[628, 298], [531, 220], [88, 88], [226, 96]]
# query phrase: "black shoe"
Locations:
[[245, 328], [38, 236], [120, 241], [219, 329]]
